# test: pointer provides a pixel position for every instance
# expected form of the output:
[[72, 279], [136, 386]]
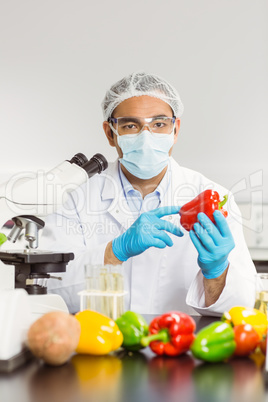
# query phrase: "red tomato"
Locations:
[[263, 344], [246, 339]]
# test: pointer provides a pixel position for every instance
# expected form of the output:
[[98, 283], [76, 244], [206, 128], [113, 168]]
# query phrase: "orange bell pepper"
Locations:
[[245, 315]]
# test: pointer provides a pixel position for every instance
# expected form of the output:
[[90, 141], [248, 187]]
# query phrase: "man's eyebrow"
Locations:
[[160, 115], [131, 118]]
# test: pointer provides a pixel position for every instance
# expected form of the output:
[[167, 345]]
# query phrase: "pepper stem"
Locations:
[[160, 336], [226, 317], [221, 203]]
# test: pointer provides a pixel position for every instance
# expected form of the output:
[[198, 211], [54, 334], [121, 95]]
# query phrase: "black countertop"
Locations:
[[136, 377]]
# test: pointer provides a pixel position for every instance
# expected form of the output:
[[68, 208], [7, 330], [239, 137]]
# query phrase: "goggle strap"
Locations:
[[113, 129]]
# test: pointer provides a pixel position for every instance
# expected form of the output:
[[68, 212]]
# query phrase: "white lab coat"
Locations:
[[158, 280]]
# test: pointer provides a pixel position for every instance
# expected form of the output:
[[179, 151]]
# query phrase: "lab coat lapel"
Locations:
[[169, 199], [112, 190]]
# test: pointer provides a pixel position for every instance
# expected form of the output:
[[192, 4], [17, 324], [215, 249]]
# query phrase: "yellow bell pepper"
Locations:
[[100, 335], [246, 315], [97, 373]]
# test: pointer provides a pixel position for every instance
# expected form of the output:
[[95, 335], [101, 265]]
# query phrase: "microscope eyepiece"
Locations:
[[79, 159], [96, 164]]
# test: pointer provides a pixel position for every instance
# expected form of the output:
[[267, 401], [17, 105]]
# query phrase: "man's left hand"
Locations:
[[213, 243]]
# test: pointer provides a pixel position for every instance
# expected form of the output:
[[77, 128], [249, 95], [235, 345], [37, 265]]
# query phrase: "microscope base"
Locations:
[[41, 304], [14, 362], [18, 311]]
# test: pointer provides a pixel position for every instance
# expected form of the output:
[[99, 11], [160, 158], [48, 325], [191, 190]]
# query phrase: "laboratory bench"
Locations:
[[261, 266], [137, 377]]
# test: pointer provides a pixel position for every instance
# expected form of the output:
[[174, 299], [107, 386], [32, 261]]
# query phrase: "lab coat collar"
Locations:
[[112, 185], [112, 190], [175, 179], [112, 182]]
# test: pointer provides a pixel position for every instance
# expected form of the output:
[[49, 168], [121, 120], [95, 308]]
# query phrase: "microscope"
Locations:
[[27, 198], [41, 194]]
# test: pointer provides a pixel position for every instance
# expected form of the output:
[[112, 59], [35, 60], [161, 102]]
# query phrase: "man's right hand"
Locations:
[[149, 230]]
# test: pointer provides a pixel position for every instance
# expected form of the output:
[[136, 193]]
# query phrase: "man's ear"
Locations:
[[177, 129], [108, 132]]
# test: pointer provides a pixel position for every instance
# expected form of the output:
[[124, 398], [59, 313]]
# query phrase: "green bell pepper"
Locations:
[[214, 343], [214, 382], [3, 238], [133, 327]]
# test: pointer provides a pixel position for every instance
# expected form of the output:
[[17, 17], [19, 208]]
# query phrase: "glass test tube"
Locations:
[[104, 290]]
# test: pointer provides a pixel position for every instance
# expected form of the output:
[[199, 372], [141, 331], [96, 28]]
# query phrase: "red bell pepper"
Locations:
[[208, 201], [246, 339], [171, 334]]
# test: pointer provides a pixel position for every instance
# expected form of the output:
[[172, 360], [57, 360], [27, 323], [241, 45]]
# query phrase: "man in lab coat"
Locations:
[[129, 215]]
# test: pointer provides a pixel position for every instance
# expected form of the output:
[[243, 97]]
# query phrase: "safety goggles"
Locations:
[[134, 125]]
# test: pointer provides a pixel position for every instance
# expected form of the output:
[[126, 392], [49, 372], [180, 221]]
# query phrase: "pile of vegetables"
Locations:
[[239, 333], [56, 336]]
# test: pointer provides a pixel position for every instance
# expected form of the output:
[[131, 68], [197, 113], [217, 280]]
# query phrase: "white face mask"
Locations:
[[145, 155]]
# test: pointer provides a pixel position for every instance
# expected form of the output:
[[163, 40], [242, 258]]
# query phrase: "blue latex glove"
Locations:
[[213, 243], [147, 231]]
